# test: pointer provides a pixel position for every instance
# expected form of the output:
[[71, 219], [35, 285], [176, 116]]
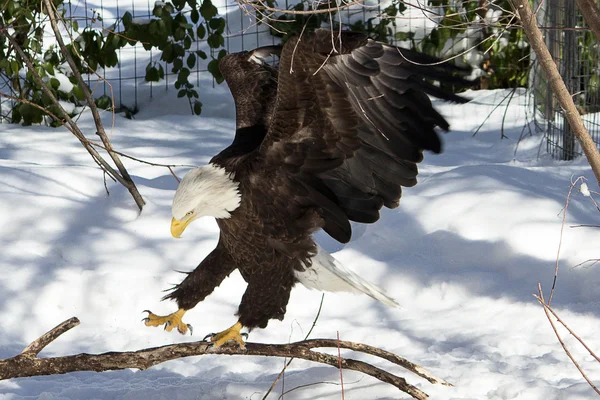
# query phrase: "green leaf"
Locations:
[[191, 61], [49, 68], [179, 4], [183, 75], [152, 75], [46, 99], [177, 64], [16, 116], [55, 83], [127, 18], [401, 6], [179, 34], [201, 54], [195, 16], [78, 92], [115, 41], [181, 93], [26, 112], [208, 10], [201, 31], [104, 102], [14, 66], [213, 68], [167, 53], [178, 50], [217, 24], [187, 42], [197, 107], [404, 35], [215, 40]]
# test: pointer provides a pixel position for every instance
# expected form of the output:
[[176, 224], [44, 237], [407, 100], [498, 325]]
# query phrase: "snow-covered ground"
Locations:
[[463, 255]]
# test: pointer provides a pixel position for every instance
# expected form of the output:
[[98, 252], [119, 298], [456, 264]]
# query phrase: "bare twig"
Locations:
[[292, 359], [549, 311], [70, 124], [262, 7], [27, 364], [562, 229], [92, 143], [38, 345], [340, 364], [128, 182]]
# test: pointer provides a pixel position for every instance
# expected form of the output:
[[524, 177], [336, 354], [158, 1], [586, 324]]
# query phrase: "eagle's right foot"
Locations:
[[171, 321], [228, 335]]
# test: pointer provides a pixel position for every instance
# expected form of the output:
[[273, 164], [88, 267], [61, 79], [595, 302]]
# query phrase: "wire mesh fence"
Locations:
[[126, 84], [577, 56]]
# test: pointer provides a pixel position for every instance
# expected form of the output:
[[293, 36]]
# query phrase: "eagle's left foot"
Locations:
[[231, 334], [171, 321]]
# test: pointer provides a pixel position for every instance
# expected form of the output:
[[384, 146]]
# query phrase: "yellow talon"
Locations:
[[231, 334], [171, 321]]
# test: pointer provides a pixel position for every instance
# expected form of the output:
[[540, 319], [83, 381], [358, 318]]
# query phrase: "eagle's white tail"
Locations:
[[328, 274]]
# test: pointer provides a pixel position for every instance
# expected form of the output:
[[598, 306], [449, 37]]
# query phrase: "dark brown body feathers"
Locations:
[[329, 138]]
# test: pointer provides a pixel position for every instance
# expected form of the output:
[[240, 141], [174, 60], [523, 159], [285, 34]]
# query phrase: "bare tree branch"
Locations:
[[27, 363], [130, 185], [591, 15], [529, 23], [38, 345]]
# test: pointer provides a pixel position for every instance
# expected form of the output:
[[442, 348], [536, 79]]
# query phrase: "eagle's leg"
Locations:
[[170, 321], [228, 335]]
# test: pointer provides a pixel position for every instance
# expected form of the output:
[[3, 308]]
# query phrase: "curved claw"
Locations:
[[232, 334], [209, 336], [191, 328], [146, 319]]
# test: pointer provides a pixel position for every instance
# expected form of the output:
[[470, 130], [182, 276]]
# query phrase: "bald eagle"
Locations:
[[329, 137]]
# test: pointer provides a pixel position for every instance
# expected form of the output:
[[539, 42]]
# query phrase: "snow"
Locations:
[[463, 255]]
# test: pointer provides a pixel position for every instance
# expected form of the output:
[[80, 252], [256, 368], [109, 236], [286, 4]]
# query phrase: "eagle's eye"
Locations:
[[189, 213]]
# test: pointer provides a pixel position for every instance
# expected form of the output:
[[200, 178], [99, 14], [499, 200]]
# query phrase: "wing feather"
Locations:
[[357, 117]]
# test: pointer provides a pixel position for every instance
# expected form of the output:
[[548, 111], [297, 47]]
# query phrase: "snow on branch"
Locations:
[[28, 364]]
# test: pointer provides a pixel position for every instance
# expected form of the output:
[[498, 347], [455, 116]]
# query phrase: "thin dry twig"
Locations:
[[292, 359], [340, 364], [548, 310], [124, 174], [27, 364], [562, 229]]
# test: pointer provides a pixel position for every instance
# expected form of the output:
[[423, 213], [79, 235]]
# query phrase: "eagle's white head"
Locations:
[[205, 191]]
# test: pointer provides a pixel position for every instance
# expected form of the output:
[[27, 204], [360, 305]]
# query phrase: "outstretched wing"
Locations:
[[253, 85], [351, 120]]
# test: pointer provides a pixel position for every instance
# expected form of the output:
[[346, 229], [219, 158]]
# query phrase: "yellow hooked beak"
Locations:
[[177, 226]]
